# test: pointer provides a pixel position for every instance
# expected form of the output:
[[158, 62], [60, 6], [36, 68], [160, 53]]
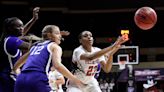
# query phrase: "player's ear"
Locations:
[[49, 35], [80, 41]]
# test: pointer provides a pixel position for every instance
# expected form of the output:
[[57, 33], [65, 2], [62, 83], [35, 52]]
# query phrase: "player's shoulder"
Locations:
[[78, 48], [53, 45], [96, 48], [12, 38]]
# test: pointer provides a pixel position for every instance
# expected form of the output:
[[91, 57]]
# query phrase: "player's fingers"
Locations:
[[36, 9], [64, 33]]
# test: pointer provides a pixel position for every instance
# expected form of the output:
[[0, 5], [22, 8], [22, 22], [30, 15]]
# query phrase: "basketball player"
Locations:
[[87, 59], [11, 46], [56, 80], [98, 71], [34, 73]]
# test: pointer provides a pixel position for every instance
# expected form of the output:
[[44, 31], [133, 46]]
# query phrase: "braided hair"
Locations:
[[7, 28]]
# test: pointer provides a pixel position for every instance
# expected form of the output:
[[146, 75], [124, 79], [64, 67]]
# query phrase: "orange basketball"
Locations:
[[145, 18]]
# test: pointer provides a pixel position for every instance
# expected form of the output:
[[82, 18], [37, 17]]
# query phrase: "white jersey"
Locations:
[[88, 68], [54, 75]]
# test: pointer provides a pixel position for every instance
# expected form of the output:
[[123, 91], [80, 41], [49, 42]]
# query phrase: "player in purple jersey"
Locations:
[[37, 63], [11, 46], [98, 71], [109, 67]]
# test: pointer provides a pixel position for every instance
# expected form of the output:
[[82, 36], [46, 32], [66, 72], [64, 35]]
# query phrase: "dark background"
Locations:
[[104, 18]]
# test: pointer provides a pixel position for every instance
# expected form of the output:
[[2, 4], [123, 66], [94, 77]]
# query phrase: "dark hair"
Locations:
[[7, 24], [80, 35]]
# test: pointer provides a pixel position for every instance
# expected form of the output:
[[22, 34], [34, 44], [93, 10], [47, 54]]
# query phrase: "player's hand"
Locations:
[[120, 40], [34, 37], [35, 12], [79, 83], [64, 33], [125, 38], [17, 71]]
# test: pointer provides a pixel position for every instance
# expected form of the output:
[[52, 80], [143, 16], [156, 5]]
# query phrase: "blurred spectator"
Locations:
[[151, 85]]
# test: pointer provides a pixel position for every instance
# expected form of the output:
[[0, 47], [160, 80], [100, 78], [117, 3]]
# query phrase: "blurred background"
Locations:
[[104, 18]]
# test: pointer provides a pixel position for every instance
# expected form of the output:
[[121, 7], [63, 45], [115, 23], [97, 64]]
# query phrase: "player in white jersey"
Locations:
[[87, 58], [56, 80]]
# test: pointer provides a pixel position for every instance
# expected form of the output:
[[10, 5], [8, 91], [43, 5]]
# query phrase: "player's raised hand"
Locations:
[[64, 33], [121, 39], [35, 12]]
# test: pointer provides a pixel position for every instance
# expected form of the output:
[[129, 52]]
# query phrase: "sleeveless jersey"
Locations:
[[87, 69], [10, 53], [39, 58]]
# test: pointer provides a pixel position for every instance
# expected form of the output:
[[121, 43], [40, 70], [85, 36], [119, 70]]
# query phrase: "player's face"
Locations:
[[17, 27], [86, 38], [56, 36]]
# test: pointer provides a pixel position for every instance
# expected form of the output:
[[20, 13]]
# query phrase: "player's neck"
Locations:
[[88, 48]]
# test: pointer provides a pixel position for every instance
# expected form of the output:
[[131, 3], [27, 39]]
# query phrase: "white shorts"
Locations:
[[73, 89], [88, 88], [91, 87]]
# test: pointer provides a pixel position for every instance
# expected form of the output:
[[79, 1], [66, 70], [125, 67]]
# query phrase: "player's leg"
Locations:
[[93, 86], [32, 82]]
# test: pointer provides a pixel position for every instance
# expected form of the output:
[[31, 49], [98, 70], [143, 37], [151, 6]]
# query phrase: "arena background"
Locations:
[[104, 18]]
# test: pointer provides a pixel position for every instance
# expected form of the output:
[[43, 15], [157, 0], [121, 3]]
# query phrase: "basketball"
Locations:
[[145, 18]]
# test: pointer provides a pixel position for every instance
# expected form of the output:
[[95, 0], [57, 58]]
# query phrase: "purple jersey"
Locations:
[[12, 53], [34, 74], [98, 70], [39, 58]]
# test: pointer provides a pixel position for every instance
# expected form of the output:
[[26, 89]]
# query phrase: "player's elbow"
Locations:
[[58, 65], [107, 70]]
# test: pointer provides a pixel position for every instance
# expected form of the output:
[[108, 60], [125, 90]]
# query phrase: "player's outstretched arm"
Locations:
[[104, 51], [64, 33], [107, 66], [56, 60], [29, 24], [20, 62]]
